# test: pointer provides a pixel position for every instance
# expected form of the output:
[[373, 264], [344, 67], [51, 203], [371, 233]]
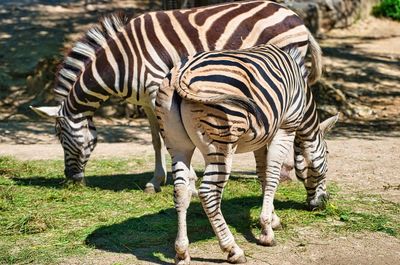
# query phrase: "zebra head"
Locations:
[[78, 138], [311, 164]]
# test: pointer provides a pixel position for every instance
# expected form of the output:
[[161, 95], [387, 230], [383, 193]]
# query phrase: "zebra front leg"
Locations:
[[160, 171], [277, 152], [260, 156], [218, 167]]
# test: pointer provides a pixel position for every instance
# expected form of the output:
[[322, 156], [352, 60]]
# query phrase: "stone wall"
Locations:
[[323, 15], [319, 15]]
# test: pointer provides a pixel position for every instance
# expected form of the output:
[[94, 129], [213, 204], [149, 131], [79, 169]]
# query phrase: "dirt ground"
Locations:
[[364, 152]]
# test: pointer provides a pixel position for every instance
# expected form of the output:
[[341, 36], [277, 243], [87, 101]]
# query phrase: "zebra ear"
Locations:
[[47, 112], [328, 124]]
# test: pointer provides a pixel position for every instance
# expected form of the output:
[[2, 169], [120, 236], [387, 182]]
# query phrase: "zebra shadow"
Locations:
[[117, 182], [152, 236]]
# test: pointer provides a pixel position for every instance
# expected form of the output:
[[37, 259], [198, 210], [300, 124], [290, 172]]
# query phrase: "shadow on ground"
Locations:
[[43, 132], [116, 183], [369, 81], [367, 129], [133, 235], [152, 235]]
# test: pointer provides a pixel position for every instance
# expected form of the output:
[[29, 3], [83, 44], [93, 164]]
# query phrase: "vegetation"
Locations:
[[45, 220], [388, 8]]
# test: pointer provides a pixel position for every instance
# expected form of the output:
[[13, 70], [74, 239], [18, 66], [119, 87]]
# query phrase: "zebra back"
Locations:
[[137, 53]]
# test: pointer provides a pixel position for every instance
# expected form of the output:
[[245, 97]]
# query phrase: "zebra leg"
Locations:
[[260, 156], [216, 175], [277, 152], [182, 196], [160, 172], [193, 178]]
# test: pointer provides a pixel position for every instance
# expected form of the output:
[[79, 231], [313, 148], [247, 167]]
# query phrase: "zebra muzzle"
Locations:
[[76, 176]]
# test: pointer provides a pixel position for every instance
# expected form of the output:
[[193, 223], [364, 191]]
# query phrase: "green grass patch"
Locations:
[[45, 221], [387, 8]]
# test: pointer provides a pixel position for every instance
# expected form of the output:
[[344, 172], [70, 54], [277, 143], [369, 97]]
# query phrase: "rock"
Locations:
[[323, 15]]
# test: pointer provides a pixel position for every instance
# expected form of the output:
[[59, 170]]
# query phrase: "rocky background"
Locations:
[[34, 37]]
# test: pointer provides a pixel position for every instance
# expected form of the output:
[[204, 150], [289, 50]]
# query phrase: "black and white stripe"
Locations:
[[236, 101], [129, 57]]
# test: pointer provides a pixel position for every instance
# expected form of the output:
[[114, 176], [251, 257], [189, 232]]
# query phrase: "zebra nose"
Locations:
[[75, 175], [319, 202]]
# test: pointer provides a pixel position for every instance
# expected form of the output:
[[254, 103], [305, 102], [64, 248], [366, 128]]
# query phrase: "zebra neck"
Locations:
[[81, 107]]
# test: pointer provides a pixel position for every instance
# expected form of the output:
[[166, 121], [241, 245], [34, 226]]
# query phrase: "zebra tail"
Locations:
[[241, 102], [316, 60]]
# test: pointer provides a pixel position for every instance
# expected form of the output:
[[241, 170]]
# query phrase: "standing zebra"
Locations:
[[129, 58], [239, 101]]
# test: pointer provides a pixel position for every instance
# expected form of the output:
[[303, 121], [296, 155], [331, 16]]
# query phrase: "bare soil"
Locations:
[[364, 153]]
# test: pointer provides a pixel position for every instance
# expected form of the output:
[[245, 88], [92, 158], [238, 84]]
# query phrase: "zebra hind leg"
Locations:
[[260, 156], [218, 167], [277, 152], [182, 196]]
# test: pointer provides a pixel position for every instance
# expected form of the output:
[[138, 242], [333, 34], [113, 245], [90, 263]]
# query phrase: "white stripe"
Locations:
[[233, 24], [148, 64], [262, 24], [153, 53], [164, 40], [97, 36], [135, 78], [182, 35], [84, 49], [124, 90], [111, 60], [207, 25], [75, 63], [66, 83]]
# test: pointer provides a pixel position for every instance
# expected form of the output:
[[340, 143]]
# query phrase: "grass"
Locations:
[[387, 8], [45, 221]]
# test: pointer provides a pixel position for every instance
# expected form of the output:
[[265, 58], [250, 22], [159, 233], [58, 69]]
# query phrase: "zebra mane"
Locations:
[[296, 55], [84, 51]]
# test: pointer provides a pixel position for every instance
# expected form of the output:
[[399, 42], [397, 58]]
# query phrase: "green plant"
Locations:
[[387, 8], [46, 221]]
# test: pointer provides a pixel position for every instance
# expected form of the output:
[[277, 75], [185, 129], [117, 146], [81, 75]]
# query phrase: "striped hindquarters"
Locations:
[[260, 89]]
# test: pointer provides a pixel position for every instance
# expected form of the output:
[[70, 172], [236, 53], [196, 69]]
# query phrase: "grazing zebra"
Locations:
[[227, 102], [128, 58]]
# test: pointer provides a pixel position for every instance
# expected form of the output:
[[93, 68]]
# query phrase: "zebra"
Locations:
[[236, 101], [129, 57]]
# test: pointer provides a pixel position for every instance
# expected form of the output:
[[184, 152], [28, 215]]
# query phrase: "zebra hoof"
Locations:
[[150, 188], [236, 256], [267, 240], [182, 259]]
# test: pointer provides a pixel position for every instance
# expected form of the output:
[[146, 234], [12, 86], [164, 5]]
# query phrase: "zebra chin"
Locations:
[[318, 202]]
